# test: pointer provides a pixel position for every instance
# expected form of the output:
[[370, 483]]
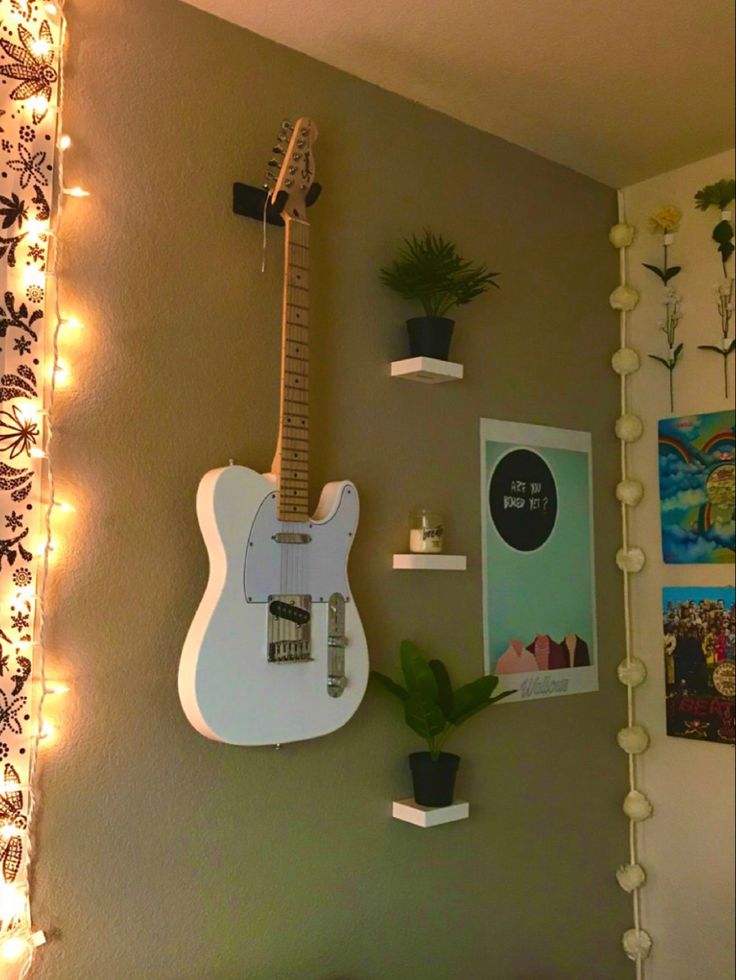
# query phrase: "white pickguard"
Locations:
[[318, 568], [228, 689]]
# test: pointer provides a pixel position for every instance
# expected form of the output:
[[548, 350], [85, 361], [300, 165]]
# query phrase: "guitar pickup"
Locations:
[[290, 612], [290, 537]]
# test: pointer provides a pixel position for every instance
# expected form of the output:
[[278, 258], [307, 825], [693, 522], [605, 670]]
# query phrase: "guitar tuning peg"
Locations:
[[277, 149], [273, 163], [285, 124], [292, 170], [301, 144]]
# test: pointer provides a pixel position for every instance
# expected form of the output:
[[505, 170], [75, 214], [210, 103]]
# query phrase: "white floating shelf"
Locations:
[[434, 563], [428, 370], [430, 816]]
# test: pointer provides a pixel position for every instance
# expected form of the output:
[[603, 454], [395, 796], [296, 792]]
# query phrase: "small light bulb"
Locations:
[[37, 453], [40, 47], [34, 277], [72, 323], [51, 9], [28, 410], [40, 104], [9, 830], [55, 688], [65, 142], [36, 228], [26, 593], [11, 898], [61, 374], [48, 733], [13, 949], [76, 192], [65, 507]]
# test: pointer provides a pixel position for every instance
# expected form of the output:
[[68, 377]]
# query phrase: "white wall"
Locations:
[[688, 846]]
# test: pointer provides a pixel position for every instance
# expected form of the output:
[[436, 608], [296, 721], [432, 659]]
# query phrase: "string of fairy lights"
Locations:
[[38, 63]]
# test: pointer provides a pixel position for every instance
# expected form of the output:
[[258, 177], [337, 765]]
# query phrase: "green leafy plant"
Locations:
[[432, 708], [429, 269], [719, 195]]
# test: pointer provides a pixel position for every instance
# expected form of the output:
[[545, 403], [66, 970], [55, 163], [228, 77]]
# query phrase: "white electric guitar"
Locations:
[[276, 651]]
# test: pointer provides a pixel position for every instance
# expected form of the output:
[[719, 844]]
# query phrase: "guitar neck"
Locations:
[[291, 463]]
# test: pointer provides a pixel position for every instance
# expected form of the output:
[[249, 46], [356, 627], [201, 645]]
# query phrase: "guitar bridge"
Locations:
[[336, 643], [289, 629]]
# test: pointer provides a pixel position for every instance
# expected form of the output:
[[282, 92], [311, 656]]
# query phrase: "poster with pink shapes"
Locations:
[[538, 579]]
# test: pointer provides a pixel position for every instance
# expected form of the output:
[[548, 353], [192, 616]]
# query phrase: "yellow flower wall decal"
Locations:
[[666, 219]]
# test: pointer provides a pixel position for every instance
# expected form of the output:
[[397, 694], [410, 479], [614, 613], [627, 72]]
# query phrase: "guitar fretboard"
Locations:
[[292, 455]]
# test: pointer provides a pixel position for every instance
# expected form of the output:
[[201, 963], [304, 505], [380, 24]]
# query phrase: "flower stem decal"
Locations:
[[721, 195], [665, 222]]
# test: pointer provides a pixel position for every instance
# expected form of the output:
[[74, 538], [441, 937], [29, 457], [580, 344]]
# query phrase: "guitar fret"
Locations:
[[297, 317], [297, 277]]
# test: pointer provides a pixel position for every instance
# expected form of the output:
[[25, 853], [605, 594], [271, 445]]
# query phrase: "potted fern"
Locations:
[[430, 270], [434, 711]]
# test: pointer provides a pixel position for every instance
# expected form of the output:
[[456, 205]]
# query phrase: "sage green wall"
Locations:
[[160, 854]]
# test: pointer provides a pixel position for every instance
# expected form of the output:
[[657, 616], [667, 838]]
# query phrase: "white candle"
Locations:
[[425, 539]]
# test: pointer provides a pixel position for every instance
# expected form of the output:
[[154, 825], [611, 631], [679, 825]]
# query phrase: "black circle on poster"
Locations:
[[522, 499]]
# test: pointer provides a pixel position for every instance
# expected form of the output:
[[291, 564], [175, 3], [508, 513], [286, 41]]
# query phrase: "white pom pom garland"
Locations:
[[632, 673], [637, 944], [624, 298], [625, 361], [630, 492], [622, 235], [632, 560], [629, 427], [630, 877], [637, 807], [634, 739]]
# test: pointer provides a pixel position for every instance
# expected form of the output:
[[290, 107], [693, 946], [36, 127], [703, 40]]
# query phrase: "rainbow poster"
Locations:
[[697, 479]]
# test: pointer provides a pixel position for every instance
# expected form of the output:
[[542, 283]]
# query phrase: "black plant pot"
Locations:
[[434, 779], [429, 336]]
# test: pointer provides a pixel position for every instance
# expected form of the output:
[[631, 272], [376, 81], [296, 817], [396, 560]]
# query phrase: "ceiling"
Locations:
[[620, 90]]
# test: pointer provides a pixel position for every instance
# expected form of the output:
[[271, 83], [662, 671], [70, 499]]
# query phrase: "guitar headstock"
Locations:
[[295, 175]]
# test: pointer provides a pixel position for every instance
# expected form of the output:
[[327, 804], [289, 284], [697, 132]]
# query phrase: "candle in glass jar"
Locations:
[[425, 532]]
